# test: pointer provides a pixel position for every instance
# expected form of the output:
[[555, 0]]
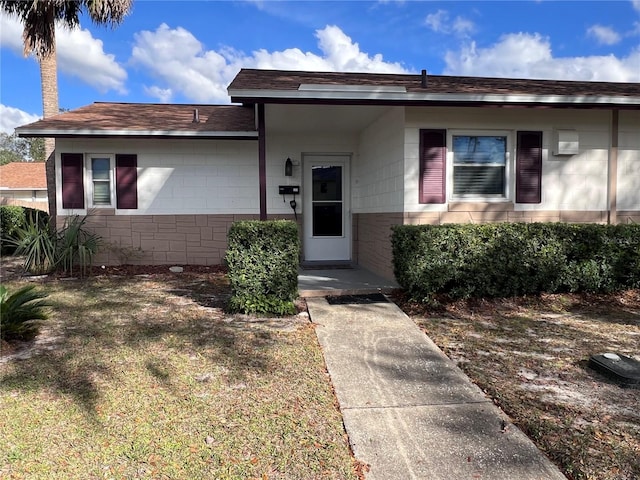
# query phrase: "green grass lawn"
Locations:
[[146, 377]]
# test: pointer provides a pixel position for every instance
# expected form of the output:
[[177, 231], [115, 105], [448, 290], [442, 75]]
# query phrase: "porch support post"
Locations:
[[262, 162], [612, 214]]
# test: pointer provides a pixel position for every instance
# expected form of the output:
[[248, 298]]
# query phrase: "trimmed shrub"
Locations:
[[263, 259], [510, 259], [11, 218]]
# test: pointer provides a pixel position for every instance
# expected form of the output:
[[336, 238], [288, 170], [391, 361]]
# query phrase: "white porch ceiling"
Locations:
[[321, 118]]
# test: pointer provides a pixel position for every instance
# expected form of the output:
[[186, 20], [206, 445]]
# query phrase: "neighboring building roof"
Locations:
[[251, 85], [104, 119], [23, 176]]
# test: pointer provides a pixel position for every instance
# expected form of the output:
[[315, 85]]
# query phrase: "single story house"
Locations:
[[347, 155], [24, 184]]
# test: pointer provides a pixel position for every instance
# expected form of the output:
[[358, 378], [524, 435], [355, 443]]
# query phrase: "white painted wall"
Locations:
[[577, 182], [182, 176], [378, 169], [282, 146], [221, 176], [629, 161], [24, 195]]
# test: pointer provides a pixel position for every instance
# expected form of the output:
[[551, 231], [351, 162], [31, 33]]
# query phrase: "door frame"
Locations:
[[312, 247]]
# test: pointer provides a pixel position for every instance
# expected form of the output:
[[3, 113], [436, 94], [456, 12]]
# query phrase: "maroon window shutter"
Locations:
[[529, 167], [433, 164], [127, 181], [72, 180]]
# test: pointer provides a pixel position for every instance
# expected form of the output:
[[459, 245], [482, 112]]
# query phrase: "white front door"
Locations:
[[327, 216]]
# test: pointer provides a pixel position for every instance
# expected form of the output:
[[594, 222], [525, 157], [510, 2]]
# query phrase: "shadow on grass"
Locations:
[[531, 356], [100, 324]]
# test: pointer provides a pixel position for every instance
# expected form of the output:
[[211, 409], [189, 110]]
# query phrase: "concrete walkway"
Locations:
[[341, 281], [410, 413]]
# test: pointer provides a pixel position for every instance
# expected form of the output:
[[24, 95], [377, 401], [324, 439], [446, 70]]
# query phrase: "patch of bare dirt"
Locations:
[[531, 355], [10, 267]]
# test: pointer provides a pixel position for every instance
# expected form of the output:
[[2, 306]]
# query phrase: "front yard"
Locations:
[[531, 356], [146, 377]]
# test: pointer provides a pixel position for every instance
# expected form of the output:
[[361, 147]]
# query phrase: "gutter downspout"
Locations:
[[262, 162], [612, 214]]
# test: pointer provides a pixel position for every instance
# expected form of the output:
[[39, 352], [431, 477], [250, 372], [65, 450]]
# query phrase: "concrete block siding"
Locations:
[[161, 239], [181, 177]]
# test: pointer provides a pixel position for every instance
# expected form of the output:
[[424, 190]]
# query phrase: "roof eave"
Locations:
[[66, 133], [291, 96]]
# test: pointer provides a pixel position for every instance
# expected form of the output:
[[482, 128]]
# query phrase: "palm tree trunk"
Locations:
[[49, 81]]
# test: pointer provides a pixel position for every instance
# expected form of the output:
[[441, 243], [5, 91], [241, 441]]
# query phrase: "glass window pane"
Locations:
[[101, 193], [327, 219], [100, 168], [478, 180], [327, 182], [479, 149]]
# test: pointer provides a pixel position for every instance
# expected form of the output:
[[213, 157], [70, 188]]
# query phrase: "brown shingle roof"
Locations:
[[141, 117], [23, 175], [252, 79]]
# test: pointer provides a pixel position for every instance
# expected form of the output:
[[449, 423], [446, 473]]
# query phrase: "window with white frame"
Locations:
[[101, 180], [480, 165]]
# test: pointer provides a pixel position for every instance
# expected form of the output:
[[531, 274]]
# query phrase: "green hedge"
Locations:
[[510, 259], [263, 259], [12, 218]]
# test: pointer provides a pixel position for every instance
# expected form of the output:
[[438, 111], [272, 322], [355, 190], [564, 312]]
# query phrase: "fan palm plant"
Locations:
[[76, 245], [37, 243], [20, 312]]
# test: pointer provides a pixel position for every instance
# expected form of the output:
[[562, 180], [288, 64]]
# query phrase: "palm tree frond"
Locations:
[[108, 12], [20, 312]]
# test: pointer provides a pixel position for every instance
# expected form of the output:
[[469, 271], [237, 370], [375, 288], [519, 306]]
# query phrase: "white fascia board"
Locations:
[[20, 189], [131, 133], [431, 97]]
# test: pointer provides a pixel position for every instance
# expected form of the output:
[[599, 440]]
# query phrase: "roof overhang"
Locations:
[[340, 94], [12, 189], [67, 133]]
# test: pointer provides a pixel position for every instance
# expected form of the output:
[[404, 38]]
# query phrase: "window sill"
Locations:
[[483, 205]]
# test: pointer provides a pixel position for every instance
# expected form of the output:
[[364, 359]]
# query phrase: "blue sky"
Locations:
[[188, 51]]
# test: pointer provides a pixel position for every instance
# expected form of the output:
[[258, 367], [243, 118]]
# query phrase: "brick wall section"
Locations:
[[161, 239], [374, 241], [629, 217], [488, 214]]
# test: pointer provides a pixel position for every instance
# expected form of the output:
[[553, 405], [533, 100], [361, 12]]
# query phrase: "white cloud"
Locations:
[[162, 94], [344, 55], [636, 4], [181, 62], [522, 55], [463, 26], [10, 33], [439, 23], [11, 117], [604, 35], [78, 54], [82, 56], [436, 21]]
